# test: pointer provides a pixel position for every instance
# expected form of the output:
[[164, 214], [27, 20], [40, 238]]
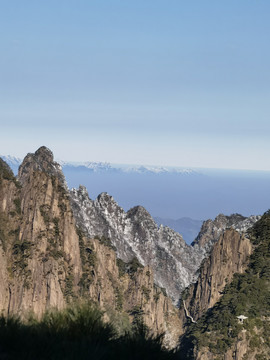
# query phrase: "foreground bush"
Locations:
[[77, 332]]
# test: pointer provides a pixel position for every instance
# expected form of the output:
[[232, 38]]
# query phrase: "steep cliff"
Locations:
[[47, 261], [41, 247], [218, 333], [229, 255]]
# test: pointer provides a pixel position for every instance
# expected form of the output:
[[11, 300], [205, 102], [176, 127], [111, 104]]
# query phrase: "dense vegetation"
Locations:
[[6, 173], [128, 268], [247, 294], [77, 332]]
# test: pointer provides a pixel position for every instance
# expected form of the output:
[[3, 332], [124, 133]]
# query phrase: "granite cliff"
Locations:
[[233, 282], [229, 255], [47, 260]]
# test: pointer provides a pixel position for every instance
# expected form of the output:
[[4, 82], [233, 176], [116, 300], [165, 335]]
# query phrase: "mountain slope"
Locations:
[[228, 256], [134, 233], [219, 334], [47, 261]]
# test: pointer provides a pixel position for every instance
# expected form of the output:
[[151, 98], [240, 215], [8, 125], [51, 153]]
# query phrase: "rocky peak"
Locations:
[[104, 200], [46, 261], [212, 229], [135, 233], [138, 212], [42, 160], [141, 219], [82, 192], [44, 154], [104, 197]]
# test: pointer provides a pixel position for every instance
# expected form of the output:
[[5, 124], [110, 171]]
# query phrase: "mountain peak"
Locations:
[[42, 160], [44, 154], [83, 191], [105, 198], [138, 212], [212, 229]]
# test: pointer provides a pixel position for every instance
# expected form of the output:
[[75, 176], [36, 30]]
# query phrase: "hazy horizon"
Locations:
[[198, 195], [124, 165]]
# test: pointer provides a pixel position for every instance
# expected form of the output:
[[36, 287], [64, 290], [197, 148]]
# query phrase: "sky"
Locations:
[[176, 83]]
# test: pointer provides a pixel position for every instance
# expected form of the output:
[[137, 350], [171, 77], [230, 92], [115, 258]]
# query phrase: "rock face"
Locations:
[[233, 281], [41, 243], [41, 160], [229, 255], [135, 233], [212, 229], [47, 261]]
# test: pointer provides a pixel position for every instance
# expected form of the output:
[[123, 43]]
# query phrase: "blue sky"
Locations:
[[182, 83]]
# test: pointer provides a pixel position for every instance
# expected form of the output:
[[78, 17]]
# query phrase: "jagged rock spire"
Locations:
[[41, 160]]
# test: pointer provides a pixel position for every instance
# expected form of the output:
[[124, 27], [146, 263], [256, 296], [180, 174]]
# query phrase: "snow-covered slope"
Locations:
[[135, 234]]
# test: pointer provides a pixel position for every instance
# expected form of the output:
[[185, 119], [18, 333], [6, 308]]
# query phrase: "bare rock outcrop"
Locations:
[[47, 261], [212, 229], [135, 233], [229, 255]]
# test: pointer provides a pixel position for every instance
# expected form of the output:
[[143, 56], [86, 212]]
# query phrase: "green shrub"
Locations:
[[17, 203], [44, 211], [107, 242], [5, 171], [77, 332], [146, 292], [21, 251], [128, 268], [56, 226], [121, 267], [119, 299], [69, 285]]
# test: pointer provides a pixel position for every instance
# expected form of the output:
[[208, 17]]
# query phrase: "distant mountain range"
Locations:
[[171, 192], [15, 162], [12, 161]]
